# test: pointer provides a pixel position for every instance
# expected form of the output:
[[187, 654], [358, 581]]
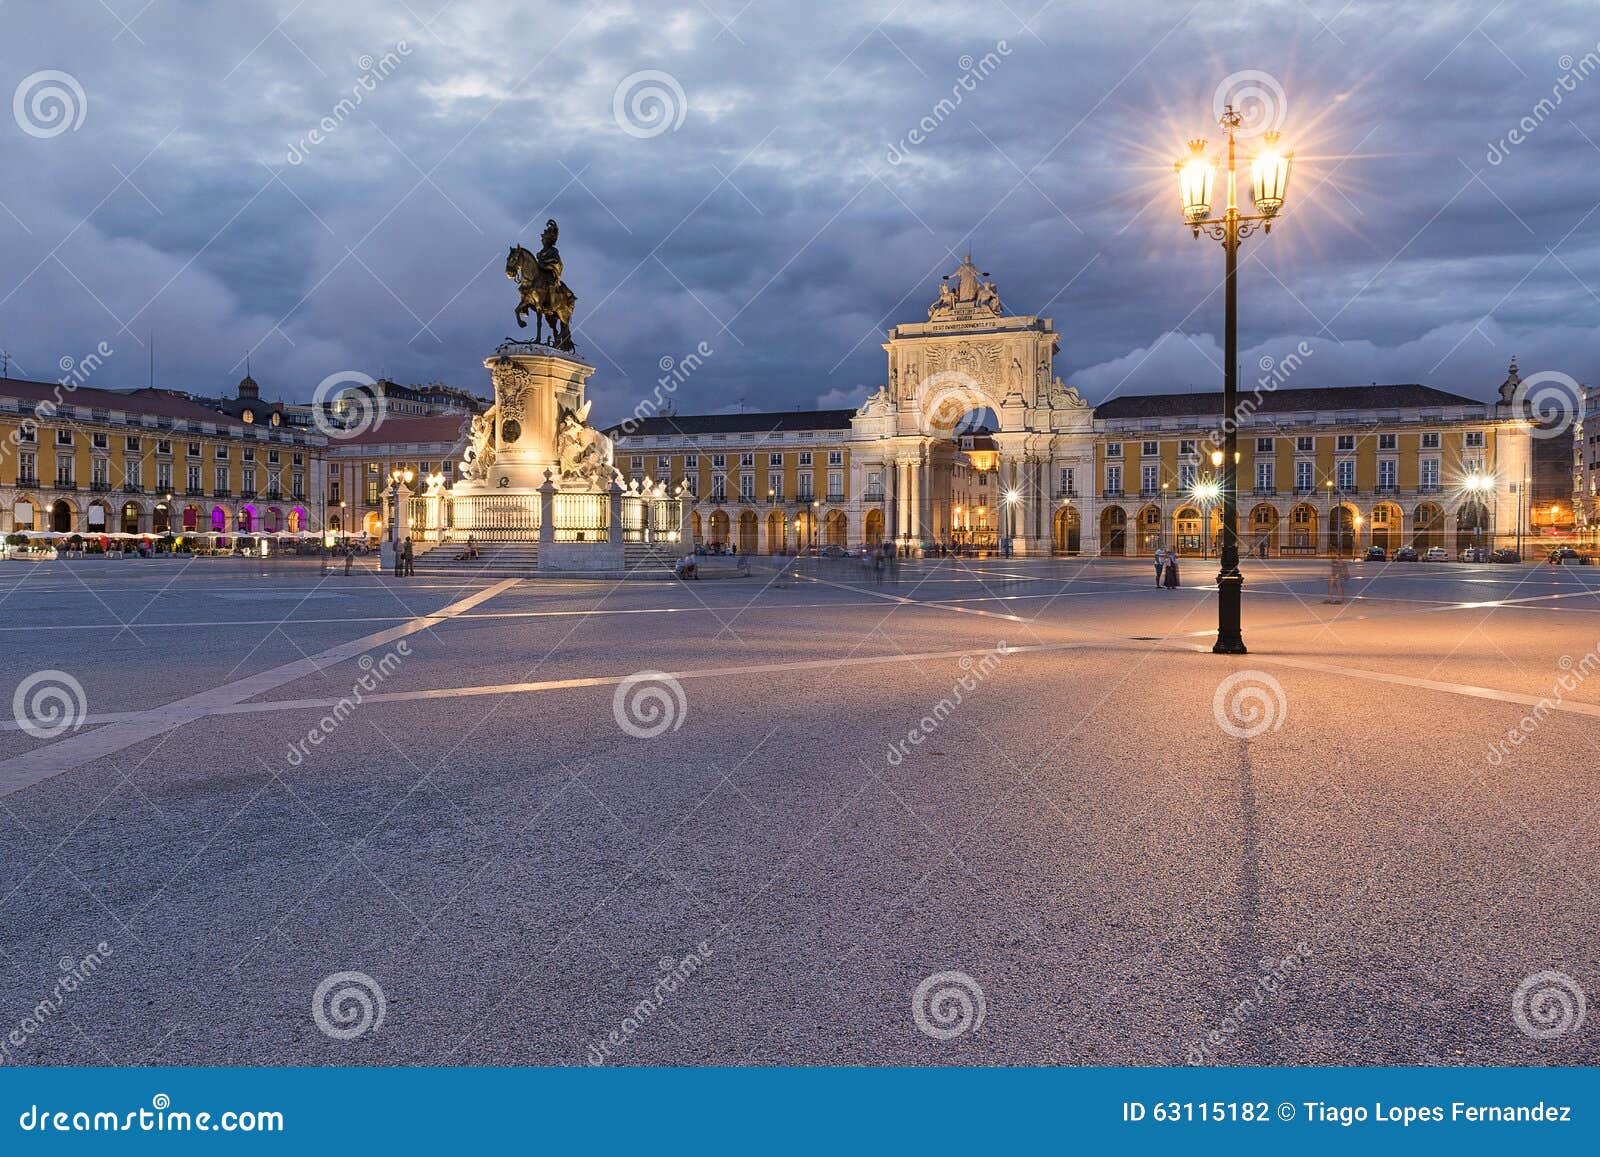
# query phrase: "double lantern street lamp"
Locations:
[[399, 476], [1269, 180]]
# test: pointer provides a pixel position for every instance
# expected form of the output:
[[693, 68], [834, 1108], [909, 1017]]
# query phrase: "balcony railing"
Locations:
[[835, 496], [66, 484], [873, 495], [1108, 492], [27, 480], [132, 488], [1265, 492], [195, 492], [99, 487], [247, 494], [221, 492], [1068, 492]]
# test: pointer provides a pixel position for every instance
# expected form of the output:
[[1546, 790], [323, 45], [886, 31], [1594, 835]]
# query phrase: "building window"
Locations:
[[747, 487], [835, 457], [100, 472], [1388, 441], [222, 453], [1430, 472], [163, 446], [1305, 477], [803, 482], [1305, 443], [164, 476], [775, 461], [222, 479], [1113, 449], [100, 441], [719, 461], [1186, 446], [836, 486], [1149, 479], [63, 437], [1263, 445], [805, 457], [1344, 474], [194, 449], [1186, 476], [1264, 475], [747, 459], [1388, 474], [64, 474], [719, 488], [1346, 442], [133, 443], [691, 462], [1473, 440], [1430, 440], [131, 475], [1069, 484], [193, 481], [637, 463], [1150, 449], [1113, 479], [663, 464]]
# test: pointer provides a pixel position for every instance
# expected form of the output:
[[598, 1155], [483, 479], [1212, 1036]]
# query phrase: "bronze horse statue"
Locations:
[[543, 293]]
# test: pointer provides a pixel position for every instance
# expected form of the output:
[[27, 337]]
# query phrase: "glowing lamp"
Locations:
[[1197, 176], [1269, 175]]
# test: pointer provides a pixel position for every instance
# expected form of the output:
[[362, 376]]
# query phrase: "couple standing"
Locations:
[[1166, 568]]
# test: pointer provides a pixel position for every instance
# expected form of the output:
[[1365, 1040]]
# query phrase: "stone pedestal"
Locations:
[[531, 387]]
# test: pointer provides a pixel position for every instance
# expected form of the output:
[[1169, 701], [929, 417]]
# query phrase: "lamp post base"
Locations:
[[1230, 585]]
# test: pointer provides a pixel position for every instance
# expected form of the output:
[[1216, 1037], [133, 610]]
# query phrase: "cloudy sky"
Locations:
[[745, 175]]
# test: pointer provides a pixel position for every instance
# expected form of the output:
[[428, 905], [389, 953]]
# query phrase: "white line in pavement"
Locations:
[[42, 763]]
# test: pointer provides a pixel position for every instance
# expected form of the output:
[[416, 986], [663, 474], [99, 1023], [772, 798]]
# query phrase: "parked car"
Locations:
[[1568, 556], [1406, 554], [1436, 554], [1376, 554], [1474, 554], [834, 551], [1504, 554]]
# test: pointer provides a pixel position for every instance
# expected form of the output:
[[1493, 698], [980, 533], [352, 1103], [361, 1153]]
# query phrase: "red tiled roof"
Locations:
[[159, 403], [444, 428]]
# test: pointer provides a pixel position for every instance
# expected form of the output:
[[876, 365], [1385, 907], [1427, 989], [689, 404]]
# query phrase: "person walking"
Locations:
[[1161, 564], [1169, 575], [408, 559], [1336, 576]]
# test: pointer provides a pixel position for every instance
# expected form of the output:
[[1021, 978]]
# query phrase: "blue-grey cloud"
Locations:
[[331, 187]]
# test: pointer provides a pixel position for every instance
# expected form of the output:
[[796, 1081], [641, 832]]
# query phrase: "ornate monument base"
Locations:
[[535, 472]]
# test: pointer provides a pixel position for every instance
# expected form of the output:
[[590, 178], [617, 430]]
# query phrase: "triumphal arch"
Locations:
[[969, 357]]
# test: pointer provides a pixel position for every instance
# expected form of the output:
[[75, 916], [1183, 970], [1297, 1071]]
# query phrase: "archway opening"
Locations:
[[1068, 537], [835, 528], [1149, 529], [749, 529], [130, 517], [61, 516], [777, 532], [1113, 530], [719, 530], [1262, 539]]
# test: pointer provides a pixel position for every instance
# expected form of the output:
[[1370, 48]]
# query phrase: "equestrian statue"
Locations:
[[544, 294]]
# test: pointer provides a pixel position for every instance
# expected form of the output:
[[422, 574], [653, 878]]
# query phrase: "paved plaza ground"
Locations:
[[1020, 771]]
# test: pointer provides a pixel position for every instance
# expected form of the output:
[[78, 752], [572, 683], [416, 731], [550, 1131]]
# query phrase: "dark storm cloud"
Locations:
[[830, 162]]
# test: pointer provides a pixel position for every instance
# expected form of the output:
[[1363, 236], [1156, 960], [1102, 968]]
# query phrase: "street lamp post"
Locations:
[[1269, 183]]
